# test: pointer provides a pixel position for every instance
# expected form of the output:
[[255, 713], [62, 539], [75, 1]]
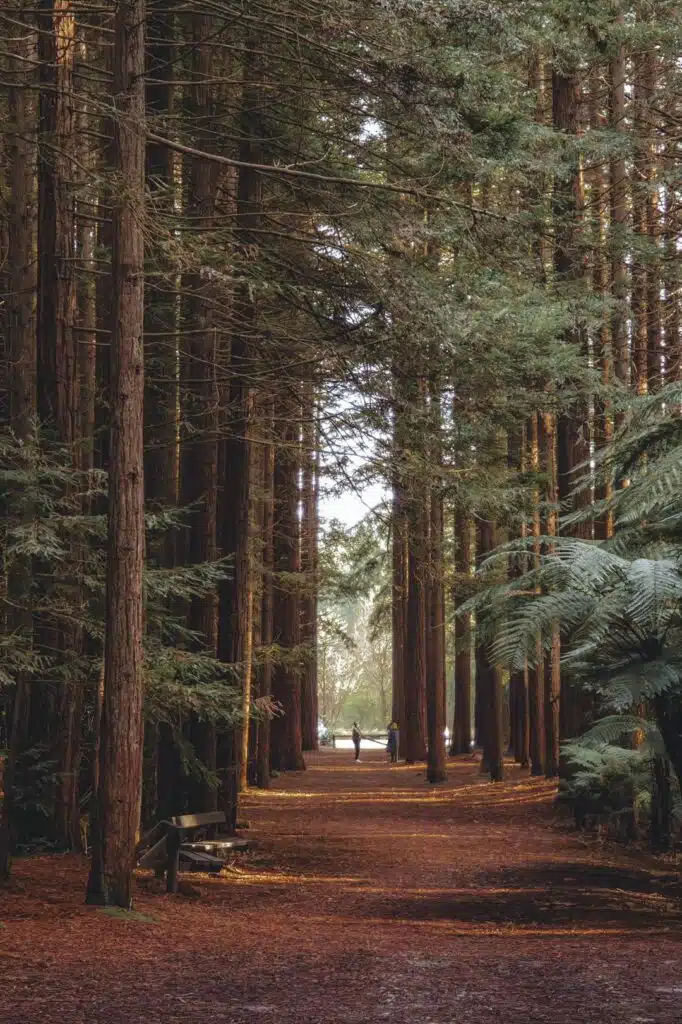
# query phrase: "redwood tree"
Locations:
[[121, 729]]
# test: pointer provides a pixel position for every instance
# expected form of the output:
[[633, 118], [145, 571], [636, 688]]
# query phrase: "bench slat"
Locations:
[[200, 861], [197, 820], [216, 846]]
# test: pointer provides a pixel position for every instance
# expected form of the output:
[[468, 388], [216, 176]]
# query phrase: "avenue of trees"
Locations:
[[244, 243]]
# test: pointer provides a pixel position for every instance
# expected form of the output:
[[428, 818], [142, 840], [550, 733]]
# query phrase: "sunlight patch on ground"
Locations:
[[507, 928]]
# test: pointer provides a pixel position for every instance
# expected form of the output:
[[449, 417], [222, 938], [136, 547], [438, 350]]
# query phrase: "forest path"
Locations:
[[370, 897]]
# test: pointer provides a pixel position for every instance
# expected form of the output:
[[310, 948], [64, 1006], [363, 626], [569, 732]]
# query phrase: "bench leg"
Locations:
[[173, 865]]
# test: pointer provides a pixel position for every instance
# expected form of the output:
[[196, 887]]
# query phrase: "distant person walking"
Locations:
[[392, 745], [357, 736]]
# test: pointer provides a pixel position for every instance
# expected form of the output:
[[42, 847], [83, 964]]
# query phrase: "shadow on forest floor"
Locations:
[[571, 893]]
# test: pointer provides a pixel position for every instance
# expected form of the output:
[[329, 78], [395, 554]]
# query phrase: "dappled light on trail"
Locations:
[[367, 896]]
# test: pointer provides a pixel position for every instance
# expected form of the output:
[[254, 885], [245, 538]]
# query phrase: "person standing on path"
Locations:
[[357, 736], [392, 745]]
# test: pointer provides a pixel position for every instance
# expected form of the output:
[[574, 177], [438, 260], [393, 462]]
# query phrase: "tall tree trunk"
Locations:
[[267, 520], [57, 390], [603, 412], [671, 311], [619, 213], [121, 734], [163, 783], [536, 681], [567, 203], [398, 602], [552, 663], [199, 451], [285, 740], [400, 566], [519, 680], [489, 679], [234, 464], [646, 284], [435, 636], [573, 425], [309, 529], [252, 580], [414, 730], [20, 339], [538, 739], [640, 334], [57, 377], [461, 728]]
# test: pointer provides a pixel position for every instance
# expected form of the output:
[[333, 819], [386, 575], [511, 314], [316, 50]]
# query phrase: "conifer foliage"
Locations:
[[255, 253]]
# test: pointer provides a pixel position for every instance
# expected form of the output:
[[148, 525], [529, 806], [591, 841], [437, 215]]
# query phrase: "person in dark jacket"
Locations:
[[357, 736], [392, 745]]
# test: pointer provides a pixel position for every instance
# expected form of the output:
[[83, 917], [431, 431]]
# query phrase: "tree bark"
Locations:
[[603, 413], [199, 450], [489, 680], [398, 602], [21, 359], [461, 727], [435, 632], [536, 681], [414, 731], [121, 734], [163, 782], [266, 666], [285, 734], [234, 462], [552, 679], [619, 214], [58, 380], [309, 530]]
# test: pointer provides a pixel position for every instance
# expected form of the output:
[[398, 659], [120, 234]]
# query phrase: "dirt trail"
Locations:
[[369, 897]]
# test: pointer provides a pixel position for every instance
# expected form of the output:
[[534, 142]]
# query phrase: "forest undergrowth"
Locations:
[[365, 897]]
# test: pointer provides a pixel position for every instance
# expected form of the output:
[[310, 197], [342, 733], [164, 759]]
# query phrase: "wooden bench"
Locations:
[[172, 843]]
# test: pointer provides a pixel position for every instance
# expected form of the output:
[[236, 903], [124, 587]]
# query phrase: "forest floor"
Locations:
[[368, 897]]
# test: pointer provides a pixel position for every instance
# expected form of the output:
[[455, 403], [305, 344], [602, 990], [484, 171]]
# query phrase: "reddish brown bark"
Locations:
[[461, 728], [199, 451], [309, 531], [536, 684], [398, 603], [58, 401], [164, 782], [57, 363], [435, 631], [489, 682], [285, 734], [234, 461], [552, 676], [414, 730], [21, 383], [619, 214], [267, 556], [121, 732]]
